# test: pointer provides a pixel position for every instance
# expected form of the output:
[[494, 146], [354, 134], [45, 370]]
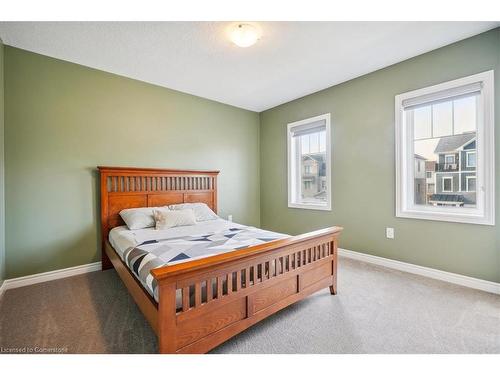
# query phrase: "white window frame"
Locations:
[[484, 212], [467, 178], [291, 162], [467, 153], [442, 184]]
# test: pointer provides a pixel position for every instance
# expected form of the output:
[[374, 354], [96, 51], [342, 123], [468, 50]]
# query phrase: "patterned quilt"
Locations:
[[160, 252]]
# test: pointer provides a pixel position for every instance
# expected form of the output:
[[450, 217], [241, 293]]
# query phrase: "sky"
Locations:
[[313, 143], [433, 122]]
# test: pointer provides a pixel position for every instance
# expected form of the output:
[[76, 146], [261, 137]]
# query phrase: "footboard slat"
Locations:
[[210, 292], [230, 283], [238, 280], [247, 277], [197, 294], [219, 287], [185, 299]]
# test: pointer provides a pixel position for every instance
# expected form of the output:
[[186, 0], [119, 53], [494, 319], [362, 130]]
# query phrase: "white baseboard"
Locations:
[[47, 276], [454, 278]]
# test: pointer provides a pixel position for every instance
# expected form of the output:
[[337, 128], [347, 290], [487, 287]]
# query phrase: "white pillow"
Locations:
[[201, 210], [168, 219], [139, 218]]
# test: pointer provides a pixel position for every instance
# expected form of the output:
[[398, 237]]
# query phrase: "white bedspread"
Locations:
[[122, 238]]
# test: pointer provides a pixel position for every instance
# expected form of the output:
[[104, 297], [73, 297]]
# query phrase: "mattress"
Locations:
[[145, 249]]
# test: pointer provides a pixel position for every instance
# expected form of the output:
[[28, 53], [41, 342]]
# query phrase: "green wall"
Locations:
[[2, 183], [363, 169], [63, 119]]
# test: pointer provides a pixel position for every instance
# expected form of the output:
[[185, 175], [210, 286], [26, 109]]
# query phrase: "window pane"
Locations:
[[442, 156], [447, 183], [471, 159], [322, 141], [442, 119], [464, 114], [313, 168], [471, 184], [305, 143], [423, 122], [314, 140]]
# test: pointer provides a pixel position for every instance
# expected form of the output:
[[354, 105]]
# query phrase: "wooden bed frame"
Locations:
[[232, 291]]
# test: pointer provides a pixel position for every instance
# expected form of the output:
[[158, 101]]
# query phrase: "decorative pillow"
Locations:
[[166, 218], [201, 210], [139, 218]]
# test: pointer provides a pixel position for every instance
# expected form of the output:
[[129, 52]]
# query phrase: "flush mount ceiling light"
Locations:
[[244, 34]]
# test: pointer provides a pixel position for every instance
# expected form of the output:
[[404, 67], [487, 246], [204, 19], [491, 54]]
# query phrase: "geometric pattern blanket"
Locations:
[[148, 255]]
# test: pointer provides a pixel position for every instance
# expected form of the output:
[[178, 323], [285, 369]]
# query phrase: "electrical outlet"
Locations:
[[389, 233], [229, 217]]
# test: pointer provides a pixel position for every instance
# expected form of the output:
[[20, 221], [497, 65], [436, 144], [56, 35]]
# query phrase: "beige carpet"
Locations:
[[377, 311]]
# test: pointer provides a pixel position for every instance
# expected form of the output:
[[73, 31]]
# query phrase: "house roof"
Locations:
[[417, 156], [319, 157], [454, 142]]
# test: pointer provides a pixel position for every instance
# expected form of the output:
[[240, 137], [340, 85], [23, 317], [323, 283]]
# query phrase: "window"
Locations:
[[471, 159], [450, 128], [309, 169], [470, 183], [447, 184], [449, 159]]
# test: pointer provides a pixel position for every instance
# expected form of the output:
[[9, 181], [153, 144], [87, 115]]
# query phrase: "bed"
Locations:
[[195, 304]]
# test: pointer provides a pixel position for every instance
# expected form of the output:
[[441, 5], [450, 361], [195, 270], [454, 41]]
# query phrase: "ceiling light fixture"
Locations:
[[244, 35]]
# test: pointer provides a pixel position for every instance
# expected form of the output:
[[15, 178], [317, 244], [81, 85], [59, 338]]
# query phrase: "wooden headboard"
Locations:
[[123, 187]]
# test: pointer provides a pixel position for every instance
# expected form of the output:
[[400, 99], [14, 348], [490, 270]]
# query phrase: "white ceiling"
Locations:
[[292, 59]]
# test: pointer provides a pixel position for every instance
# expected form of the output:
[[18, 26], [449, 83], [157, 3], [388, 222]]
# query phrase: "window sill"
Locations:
[[448, 217], [310, 206]]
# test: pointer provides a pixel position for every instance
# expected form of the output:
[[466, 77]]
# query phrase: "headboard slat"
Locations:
[[123, 187]]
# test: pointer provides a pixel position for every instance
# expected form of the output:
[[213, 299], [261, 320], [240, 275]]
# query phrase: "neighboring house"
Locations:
[[314, 176], [430, 178], [420, 181], [455, 180]]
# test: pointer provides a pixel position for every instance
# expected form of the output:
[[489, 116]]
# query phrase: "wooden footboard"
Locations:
[[235, 290]]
